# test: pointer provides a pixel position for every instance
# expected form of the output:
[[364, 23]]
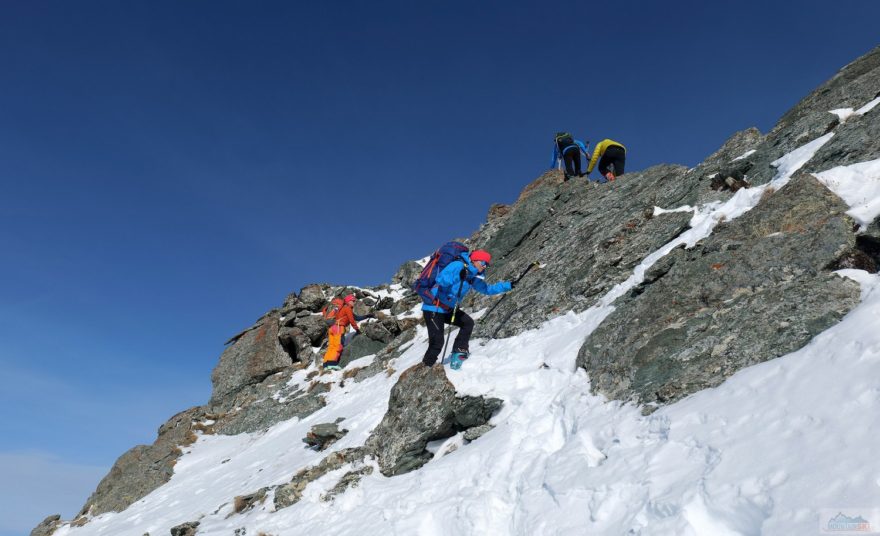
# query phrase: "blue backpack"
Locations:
[[440, 259]]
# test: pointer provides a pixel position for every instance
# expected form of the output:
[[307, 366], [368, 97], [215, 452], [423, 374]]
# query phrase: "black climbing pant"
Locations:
[[613, 160], [435, 323], [572, 160]]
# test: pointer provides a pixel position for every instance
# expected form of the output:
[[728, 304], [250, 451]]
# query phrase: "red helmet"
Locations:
[[481, 255], [350, 298]]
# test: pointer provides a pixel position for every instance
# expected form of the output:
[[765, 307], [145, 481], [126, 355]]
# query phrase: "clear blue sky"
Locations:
[[171, 170]]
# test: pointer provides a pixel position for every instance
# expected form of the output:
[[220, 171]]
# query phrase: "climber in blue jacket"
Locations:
[[451, 286], [569, 149]]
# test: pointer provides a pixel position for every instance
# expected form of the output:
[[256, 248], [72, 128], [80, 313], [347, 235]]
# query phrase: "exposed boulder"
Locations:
[[377, 331], [185, 529], [250, 359], [403, 305], [323, 435], [385, 303], [361, 309], [312, 297], [314, 327], [731, 179], [758, 288], [360, 346], [243, 503], [423, 407], [407, 273]]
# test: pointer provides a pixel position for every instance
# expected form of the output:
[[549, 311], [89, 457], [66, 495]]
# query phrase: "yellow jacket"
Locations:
[[600, 150]]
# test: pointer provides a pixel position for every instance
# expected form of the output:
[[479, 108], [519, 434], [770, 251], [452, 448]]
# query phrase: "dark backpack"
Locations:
[[440, 259], [563, 140], [331, 310]]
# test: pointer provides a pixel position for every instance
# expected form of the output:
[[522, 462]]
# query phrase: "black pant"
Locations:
[[436, 322], [572, 159], [613, 160]]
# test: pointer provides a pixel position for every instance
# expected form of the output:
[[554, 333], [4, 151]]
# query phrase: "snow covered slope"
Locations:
[[778, 448]]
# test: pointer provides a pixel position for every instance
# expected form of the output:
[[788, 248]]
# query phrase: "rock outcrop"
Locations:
[[250, 359], [323, 435], [423, 407], [590, 236], [48, 526], [145, 467], [757, 288]]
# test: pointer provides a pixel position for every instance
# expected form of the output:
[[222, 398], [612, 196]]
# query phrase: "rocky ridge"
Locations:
[[700, 315]]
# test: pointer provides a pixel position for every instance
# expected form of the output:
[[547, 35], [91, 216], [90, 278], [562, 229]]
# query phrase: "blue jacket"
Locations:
[[578, 144], [450, 289]]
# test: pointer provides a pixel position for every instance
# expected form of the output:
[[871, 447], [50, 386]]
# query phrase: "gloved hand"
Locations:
[[512, 285], [463, 274]]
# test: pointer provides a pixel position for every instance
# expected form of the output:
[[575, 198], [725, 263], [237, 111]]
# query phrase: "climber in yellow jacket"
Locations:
[[611, 156]]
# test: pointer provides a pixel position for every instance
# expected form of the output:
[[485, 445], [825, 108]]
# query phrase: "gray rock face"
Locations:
[[855, 141], [257, 407], [312, 297], [48, 526], [404, 305], [297, 344], [590, 238], [314, 327], [250, 359], [378, 332], [423, 407], [758, 288], [522, 220], [360, 346]]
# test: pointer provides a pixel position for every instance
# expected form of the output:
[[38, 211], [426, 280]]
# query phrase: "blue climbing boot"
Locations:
[[457, 359]]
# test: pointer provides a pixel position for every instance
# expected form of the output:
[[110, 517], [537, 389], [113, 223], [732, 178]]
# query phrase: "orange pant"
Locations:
[[334, 346]]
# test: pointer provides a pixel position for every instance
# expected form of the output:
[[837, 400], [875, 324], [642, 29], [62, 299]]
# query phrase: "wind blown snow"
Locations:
[[859, 186], [764, 452], [845, 113]]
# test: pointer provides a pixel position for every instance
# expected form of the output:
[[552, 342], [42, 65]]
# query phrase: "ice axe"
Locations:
[[535, 264]]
